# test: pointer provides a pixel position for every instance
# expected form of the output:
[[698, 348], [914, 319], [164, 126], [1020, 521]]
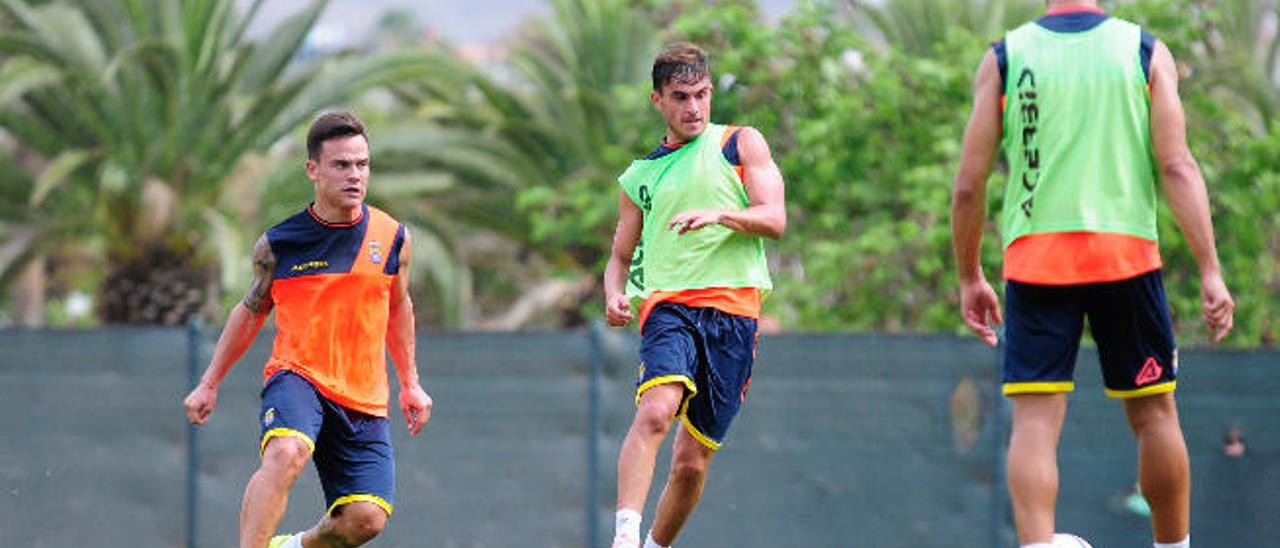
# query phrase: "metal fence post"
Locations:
[[194, 351], [596, 359]]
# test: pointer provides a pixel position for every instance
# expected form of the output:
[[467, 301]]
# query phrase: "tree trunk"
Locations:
[[29, 294], [159, 286]]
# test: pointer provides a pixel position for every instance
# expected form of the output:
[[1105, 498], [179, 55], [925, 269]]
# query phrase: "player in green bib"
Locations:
[[688, 252], [1088, 111]]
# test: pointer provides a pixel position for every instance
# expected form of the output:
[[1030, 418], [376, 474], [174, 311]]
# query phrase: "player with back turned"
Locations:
[[1088, 109]]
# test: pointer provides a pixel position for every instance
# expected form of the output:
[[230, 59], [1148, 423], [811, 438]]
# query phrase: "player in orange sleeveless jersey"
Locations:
[[336, 274]]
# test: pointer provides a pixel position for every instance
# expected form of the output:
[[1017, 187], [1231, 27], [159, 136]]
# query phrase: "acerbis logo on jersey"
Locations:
[[375, 252], [1151, 372], [309, 265], [269, 417]]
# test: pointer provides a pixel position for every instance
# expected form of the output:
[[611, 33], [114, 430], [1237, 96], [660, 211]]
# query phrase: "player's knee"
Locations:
[[688, 471], [1158, 411], [654, 419], [287, 455], [359, 522]]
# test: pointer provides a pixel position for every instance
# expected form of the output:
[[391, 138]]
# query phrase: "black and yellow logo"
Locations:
[[309, 265]]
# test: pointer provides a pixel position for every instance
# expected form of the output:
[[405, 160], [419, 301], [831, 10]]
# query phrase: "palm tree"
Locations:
[[1241, 56], [919, 27], [537, 144], [136, 112]]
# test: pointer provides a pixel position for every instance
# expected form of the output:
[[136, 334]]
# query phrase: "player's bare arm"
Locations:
[[402, 344], [766, 212], [242, 327], [978, 303], [1184, 187], [617, 308]]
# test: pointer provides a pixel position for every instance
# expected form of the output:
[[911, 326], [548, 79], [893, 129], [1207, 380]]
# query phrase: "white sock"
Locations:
[[650, 543], [1185, 543], [295, 541], [626, 522], [1038, 545]]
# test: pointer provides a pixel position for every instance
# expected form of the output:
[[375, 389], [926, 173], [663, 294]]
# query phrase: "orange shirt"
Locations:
[[1073, 258], [332, 295]]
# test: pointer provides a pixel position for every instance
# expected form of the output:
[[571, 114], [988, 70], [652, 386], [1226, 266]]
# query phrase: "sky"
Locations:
[[460, 21]]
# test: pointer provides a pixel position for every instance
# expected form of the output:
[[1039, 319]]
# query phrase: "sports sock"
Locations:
[[295, 541], [627, 521], [650, 543], [1185, 543], [1038, 545]]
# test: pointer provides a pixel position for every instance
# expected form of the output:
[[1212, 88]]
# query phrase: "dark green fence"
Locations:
[[846, 441]]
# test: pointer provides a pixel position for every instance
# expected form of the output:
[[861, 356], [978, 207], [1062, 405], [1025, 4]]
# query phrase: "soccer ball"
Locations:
[[1064, 540]]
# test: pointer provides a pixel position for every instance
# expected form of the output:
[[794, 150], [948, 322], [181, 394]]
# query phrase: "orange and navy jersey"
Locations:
[[332, 292], [1074, 258], [739, 301]]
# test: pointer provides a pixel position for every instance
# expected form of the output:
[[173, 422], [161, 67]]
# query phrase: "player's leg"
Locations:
[[1043, 325], [1164, 471], [722, 376], [267, 494], [1130, 321], [689, 461], [654, 414], [291, 418], [668, 352], [347, 526], [1032, 464], [356, 465]]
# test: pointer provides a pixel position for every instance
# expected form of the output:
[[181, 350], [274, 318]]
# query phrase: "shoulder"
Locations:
[[262, 253], [379, 216], [751, 144], [300, 221]]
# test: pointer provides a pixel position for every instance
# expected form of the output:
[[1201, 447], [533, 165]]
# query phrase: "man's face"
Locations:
[[341, 173], [685, 105]]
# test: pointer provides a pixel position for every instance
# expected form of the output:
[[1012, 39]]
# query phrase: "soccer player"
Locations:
[[692, 216], [1088, 108], [337, 274]]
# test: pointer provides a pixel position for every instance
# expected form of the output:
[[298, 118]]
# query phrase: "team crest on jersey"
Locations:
[[269, 417], [375, 252]]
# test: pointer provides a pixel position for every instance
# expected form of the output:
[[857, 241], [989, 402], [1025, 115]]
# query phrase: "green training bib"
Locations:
[[695, 176], [1077, 133]]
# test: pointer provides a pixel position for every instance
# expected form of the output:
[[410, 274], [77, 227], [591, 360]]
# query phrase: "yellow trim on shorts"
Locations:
[[665, 379], [1051, 387], [1152, 390], [348, 499], [277, 432], [702, 438]]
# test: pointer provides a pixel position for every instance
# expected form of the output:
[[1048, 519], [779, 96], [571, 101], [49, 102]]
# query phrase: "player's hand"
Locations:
[[981, 309], [617, 310], [693, 220], [416, 406], [1219, 308], [200, 403]]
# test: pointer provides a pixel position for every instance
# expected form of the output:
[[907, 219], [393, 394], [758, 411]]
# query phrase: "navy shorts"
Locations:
[[351, 450], [708, 351], [1129, 320]]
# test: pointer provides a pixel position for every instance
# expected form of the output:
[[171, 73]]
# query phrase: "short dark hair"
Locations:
[[331, 125], [681, 61]]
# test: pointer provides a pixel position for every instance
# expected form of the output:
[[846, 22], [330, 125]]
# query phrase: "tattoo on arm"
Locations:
[[258, 298]]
